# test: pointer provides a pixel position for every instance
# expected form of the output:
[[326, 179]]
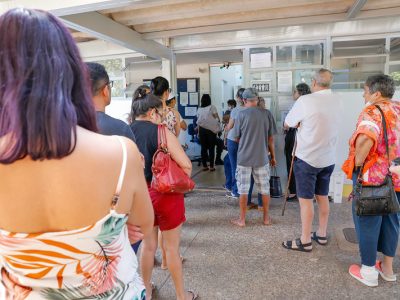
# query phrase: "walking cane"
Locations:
[[290, 176]]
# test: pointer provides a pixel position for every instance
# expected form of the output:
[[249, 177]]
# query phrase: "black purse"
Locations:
[[275, 186], [376, 200]]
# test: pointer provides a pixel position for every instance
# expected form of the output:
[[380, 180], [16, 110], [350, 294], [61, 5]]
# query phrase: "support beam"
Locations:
[[99, 26], [321, 19], [63, 8], [355, 8]]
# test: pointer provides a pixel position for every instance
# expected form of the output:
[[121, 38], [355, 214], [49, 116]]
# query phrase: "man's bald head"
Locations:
[[323, 78]]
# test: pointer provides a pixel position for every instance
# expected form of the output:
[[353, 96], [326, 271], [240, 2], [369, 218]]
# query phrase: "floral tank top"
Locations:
[[95, 262]]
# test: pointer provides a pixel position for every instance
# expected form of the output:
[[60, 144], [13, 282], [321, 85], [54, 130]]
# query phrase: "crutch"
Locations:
[[290, 176]]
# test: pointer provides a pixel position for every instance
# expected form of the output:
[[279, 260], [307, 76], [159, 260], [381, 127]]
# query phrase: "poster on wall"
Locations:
[[285, 81], [260, 60], [191, 85], [183, 98], [190, 111], [261, 85], [194, 98]]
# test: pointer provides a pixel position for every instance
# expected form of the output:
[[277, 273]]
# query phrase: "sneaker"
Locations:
[[390, 278], [226, 189], [232, 195], [370, 280]]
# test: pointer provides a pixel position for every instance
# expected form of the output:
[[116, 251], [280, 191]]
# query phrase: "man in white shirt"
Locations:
[[317, 117]]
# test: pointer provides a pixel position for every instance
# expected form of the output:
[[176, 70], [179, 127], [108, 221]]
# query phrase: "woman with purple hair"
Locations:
[[69, 197]]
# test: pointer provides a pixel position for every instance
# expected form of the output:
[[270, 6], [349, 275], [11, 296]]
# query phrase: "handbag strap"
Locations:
[[162, 138], [384, 132], [384, 126]]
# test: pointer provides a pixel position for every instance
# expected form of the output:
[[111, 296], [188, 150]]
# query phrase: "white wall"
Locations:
[[233, 77]]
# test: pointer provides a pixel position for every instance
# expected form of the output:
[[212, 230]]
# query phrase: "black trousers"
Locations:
[[220, 148], [289, 144], [208, 140]]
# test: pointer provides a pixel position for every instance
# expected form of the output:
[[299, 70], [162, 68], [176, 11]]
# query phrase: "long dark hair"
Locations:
[[158, 86], [44, 87]]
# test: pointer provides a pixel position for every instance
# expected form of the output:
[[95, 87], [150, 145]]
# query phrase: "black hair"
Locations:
[[303, 89], [141, 91], [158, 86], [205, 100], [239, 93], [381, 83], [141, 105], [231, 102], [98, 76]]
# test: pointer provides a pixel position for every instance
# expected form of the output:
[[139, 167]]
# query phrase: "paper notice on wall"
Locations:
[[183, 98], [194, 98], [260, 60], [285, 81], [190, 111], [191, 85]]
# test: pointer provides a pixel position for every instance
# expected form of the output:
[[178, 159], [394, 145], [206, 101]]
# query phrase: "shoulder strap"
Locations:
[[162, 138], [384, 131], [115, 199]]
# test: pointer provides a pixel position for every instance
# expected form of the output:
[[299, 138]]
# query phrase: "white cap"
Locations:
[[171, 96]]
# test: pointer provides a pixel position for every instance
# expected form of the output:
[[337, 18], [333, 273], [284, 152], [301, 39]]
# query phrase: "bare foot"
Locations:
[[267, 221], [191, 295], [238, 222]]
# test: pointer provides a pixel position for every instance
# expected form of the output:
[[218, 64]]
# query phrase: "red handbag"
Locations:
[[168, 177]]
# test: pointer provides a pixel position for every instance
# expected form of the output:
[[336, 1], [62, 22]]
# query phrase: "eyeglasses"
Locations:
[[110, 83]]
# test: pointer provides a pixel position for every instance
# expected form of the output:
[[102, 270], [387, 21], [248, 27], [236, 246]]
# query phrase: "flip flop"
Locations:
[[269, 222], [317, 238], [300, 246], [194, 296]]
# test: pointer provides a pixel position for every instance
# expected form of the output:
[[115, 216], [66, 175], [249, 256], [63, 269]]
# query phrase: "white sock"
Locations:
[[369, 273]]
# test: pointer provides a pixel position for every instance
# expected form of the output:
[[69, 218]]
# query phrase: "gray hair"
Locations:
[[381, 83], [323, 78]]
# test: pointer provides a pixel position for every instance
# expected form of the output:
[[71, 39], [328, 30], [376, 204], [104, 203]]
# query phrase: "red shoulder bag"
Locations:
[[168, 177]]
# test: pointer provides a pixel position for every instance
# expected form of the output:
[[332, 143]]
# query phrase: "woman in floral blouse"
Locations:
[[368, 149]]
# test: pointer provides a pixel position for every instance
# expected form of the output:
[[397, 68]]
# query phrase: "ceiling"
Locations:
[[149, 26]]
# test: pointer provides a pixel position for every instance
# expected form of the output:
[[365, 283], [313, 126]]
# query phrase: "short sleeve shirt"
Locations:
[[370, 123], [234, 114]]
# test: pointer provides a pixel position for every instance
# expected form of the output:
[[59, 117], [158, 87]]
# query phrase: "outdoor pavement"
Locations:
[[226, 262]]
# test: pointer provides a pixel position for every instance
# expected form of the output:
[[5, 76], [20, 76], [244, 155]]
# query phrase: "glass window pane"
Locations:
[[394, 71], [260, 58], [118, 89], [113, 67], [351, 73], [284, 56], [310, 55], [359, 47], [262, 82], [303, 76], [395, 49]]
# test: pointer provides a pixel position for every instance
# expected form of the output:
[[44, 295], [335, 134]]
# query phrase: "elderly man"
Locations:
[[317, 117], [254, 128]]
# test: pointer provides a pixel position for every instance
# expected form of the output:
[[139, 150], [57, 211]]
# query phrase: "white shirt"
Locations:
[[319, 115]]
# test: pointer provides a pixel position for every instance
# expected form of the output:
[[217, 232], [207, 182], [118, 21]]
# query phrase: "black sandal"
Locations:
[[299, 244], [317, 238], [194, 296]]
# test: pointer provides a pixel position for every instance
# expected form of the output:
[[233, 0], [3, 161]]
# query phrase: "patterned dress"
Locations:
[[370, 123], [170, 120], [95, 262]]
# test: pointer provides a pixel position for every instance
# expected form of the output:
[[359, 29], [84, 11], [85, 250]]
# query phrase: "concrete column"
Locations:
[[169, 71]]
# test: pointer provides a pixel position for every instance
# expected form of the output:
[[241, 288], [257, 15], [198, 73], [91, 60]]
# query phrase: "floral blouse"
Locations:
[[370, 123]]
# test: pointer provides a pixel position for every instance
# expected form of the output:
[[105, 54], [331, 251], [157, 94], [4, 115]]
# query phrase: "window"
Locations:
[[394, 71], [395, 49], [358, 48], [284, 56], [351, 73], [310, 55], [114, 68]]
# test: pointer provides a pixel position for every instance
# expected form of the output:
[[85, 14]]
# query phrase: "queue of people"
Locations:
[[93, 196]]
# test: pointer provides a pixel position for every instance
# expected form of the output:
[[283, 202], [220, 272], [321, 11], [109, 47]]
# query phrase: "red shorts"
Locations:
[[169, 209]]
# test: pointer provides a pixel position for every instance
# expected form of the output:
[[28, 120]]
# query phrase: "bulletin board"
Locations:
[[188, 97]]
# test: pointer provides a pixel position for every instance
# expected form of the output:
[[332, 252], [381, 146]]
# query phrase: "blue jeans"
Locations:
[[135, 246], [228, 173], [376, 234], [259, 198], [232, 152]]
